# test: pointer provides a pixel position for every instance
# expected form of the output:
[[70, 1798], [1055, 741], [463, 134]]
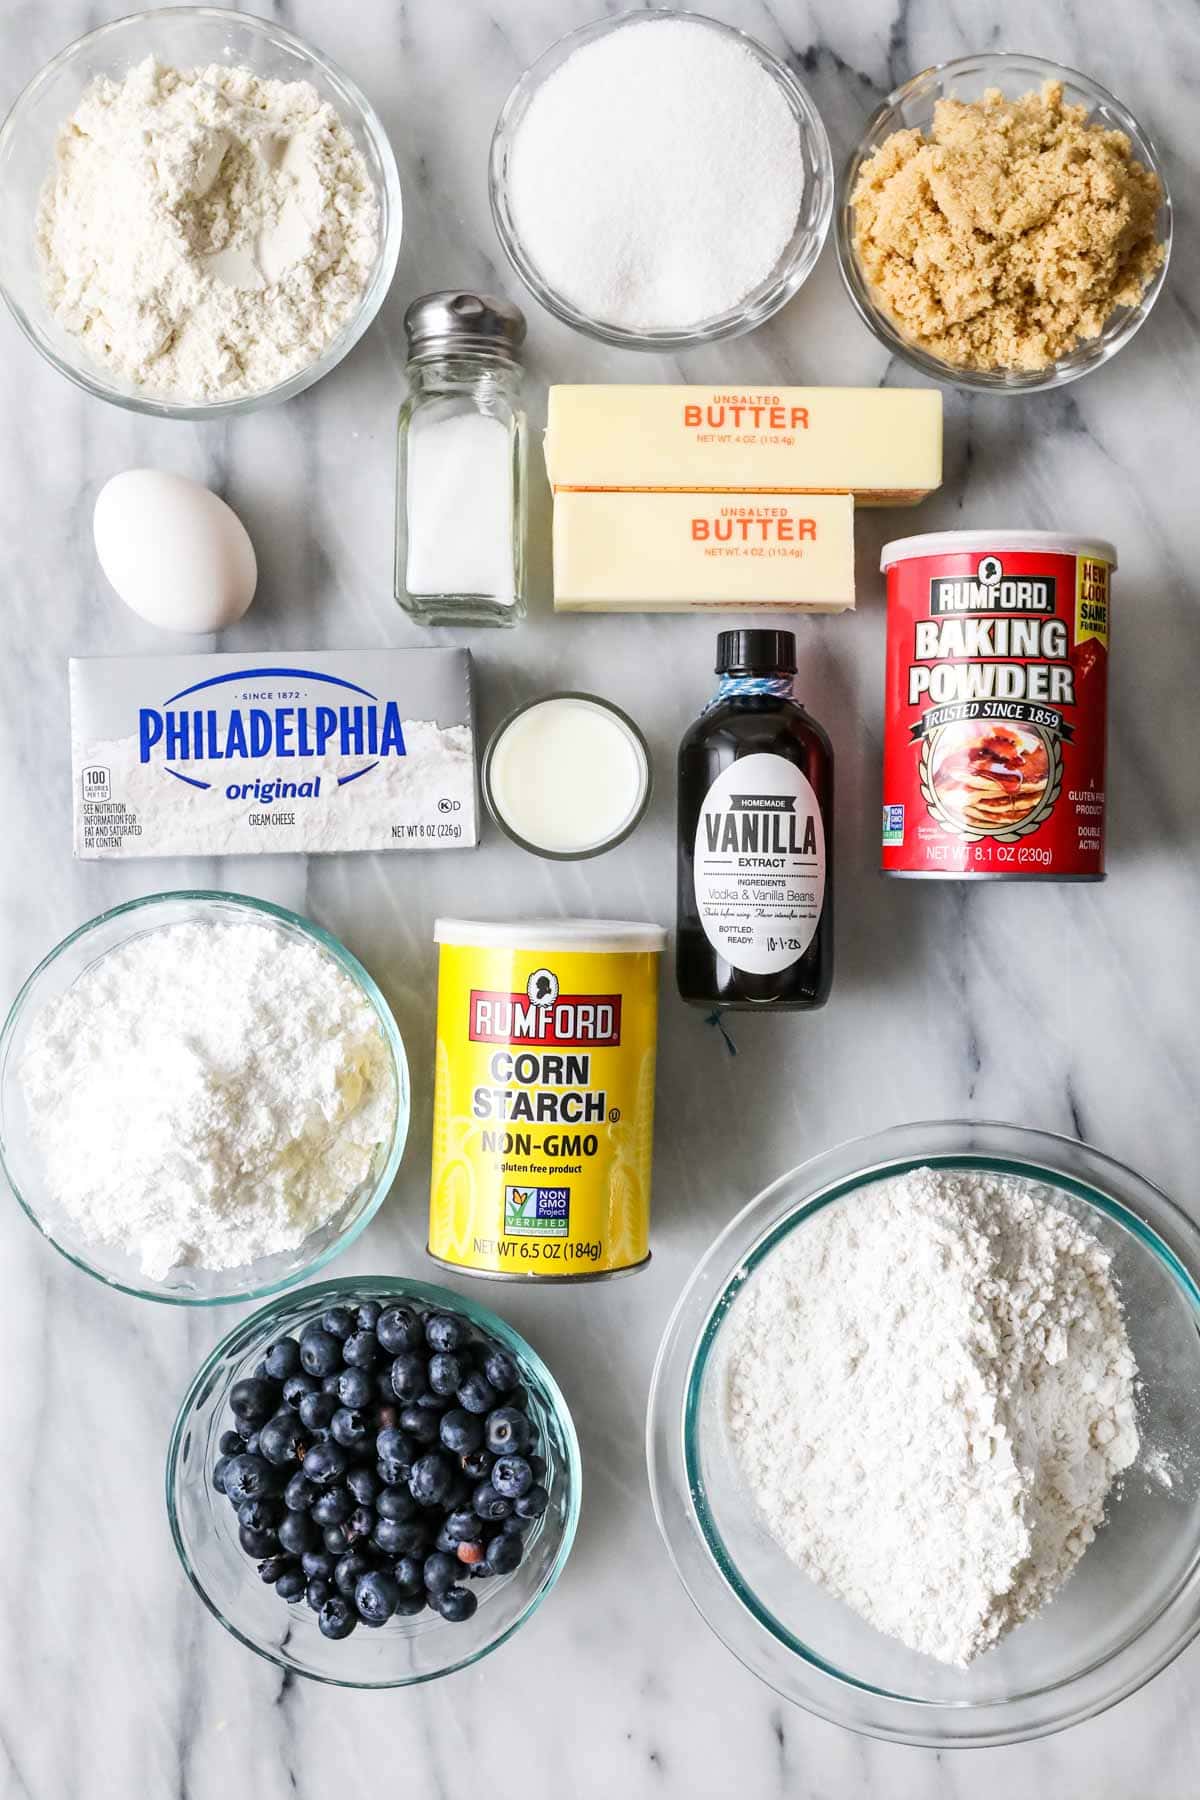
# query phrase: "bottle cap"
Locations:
[[451, 319], [756, 653]]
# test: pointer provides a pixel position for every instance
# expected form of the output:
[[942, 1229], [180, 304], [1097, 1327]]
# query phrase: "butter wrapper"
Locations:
[[310, 752]]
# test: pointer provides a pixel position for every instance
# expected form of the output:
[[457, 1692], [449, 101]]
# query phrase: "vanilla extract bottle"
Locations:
[[755, 904]]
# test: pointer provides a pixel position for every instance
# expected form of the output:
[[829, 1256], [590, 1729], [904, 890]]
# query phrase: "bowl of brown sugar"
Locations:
[[1004, 224]]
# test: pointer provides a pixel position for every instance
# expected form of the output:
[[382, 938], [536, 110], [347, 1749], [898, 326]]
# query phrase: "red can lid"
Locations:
[[967, 543]]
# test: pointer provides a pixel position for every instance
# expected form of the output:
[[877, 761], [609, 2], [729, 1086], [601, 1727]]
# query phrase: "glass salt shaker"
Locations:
[[461, 492]]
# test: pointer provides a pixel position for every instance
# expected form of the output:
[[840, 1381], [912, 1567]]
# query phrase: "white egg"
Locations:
[[176, 554]]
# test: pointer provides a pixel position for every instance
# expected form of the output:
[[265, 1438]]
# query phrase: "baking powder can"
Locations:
[[543, 1113], [995, 706]]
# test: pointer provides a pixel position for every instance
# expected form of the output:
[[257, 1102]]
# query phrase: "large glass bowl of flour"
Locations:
[[183, 37], [1132, 1601], [22, 1156]]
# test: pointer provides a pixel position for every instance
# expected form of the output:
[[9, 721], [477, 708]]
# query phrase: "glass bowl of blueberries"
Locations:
[[373, 1482]]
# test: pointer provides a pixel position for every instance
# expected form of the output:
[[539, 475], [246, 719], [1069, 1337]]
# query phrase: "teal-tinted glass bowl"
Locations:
[[19, 1159], [404, 1651]]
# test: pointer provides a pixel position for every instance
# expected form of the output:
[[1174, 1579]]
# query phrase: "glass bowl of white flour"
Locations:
[[203, 1098], [199, 214], [924, 1434]]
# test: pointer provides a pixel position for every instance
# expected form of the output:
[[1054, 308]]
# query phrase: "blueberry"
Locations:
[[231, 1444], [478, 1464], [367, 1316], [490, 1504], [437, 1404], [319, 1590], [401, 1537], [318, 1562], [471, 1552], [337, 1617], [444, 1332], [298, 1533], [409, 1605], [361, 1523], [272, 1567], [283, 1358], [507, 1432], [375, 1596], [420, 1423], [317, 1410], [383, 1384], [431, 1479], [364, 1484], [504, 1552], [349, 1428], [501, 1370], [440, 1572], [355, 1388], [221, 1470], [395, 1456], [410, 1574], [336, 1540], [325, 1464], [512, 1476], [299, 1493], [478, 1395], [408, 1375], [532, 1504], [456, 1605], [253, 1400], [338, 1322], [296, 1387], [395, 1503], [320, 1352], [282, 1439], [461, 1525], [361, 1350], [398, 1329], [333, 1507], [251, 1443], [259, 1515], [538, 1465], [291, 1585], [349, 1572], [447, 1545], [461, 1432], [446, 1372], [257, 1543], [247, 1477], [331, 1383]]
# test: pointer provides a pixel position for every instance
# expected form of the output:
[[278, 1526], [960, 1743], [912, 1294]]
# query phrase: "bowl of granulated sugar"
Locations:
[[660, 180]]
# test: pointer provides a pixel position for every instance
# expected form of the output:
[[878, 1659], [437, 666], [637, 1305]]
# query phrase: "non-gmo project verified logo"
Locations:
[[893, 825], [537, 1211]]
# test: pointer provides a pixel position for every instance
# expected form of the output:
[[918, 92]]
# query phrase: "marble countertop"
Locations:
[[1064, 1007]]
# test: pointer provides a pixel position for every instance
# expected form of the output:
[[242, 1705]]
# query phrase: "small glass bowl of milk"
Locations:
[[567, 776]]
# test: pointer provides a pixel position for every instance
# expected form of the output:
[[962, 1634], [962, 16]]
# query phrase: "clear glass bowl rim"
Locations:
[[362, 980], [756, 307], [88, 376], [672, 1420], [630, 825], [321, 1296], [1085, 357]]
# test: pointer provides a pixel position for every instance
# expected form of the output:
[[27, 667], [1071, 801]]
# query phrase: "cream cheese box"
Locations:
[[307, 751]]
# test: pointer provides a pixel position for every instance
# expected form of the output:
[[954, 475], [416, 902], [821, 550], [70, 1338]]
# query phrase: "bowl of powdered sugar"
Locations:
[[659, 179], [198, 212], [203, 1097], [924, 1435]]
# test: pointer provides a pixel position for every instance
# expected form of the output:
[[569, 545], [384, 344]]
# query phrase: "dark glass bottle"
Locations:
[[755, 917]]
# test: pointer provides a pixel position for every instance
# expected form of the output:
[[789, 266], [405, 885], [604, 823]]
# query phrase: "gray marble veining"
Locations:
[[1068, 1008]]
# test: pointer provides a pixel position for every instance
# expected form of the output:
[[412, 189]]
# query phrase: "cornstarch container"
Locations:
[[543, 1118], [995, 706]]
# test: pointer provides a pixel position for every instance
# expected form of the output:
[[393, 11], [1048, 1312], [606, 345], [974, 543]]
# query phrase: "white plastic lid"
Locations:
[[958, 543], [599, 936]]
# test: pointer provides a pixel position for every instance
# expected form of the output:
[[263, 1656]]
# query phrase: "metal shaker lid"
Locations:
[[453, 320]]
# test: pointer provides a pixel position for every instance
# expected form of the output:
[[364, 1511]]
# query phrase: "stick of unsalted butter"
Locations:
[[661, 552], [884, 445]]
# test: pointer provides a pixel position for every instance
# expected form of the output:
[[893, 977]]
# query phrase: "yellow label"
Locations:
[[1091, 600], [543, 1120]]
